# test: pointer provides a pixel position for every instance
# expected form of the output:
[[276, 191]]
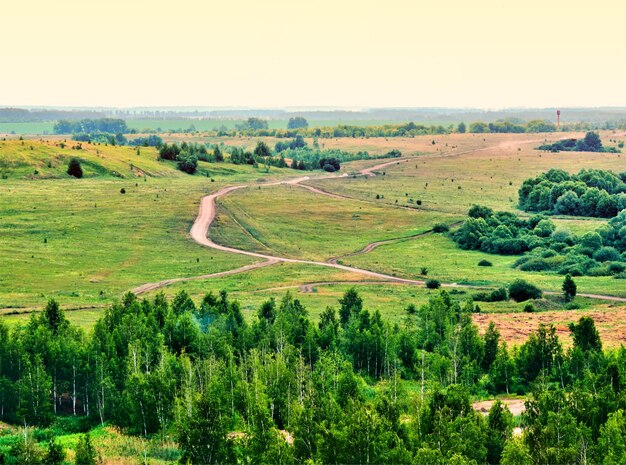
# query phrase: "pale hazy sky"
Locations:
[[273, 53]]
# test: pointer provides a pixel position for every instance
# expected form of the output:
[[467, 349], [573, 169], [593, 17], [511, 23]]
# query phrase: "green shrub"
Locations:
[[187, 163], [607, 254], [484, 262], [520, 291], [85, 451], [535, 264], [441, 228], [433, 284], [497, 295], [74, 168], [529, 308]]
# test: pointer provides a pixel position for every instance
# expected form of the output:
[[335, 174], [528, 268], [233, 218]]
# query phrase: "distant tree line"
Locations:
[[278, 388], [591, 192], [512, 126], [89, 126], [546, 247]]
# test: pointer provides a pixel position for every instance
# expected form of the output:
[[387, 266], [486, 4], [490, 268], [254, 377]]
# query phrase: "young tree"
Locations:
[[74, 168], [516, 453], [55, 455], [492, 340], [297, 122], [262, 150], [54, 317], [569, 287], [26, 450], [351, 304], [586, 336], [85, 451], [500, 426], [217, 153]]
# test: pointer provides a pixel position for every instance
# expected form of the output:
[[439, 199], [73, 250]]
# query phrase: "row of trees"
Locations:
[[591, 192], [509, 126], [89, 126], [302, 157], [352, 388], [546, 247]]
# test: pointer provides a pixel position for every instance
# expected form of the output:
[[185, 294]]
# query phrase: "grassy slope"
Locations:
[[84, 243], [38, 159]]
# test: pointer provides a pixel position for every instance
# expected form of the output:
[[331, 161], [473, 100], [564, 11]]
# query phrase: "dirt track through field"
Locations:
[[199, 233]]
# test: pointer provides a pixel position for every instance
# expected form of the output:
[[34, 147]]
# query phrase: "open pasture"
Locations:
[[292, 222], [83, 242]]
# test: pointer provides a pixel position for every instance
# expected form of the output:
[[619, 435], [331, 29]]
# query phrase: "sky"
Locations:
[[290, 53]]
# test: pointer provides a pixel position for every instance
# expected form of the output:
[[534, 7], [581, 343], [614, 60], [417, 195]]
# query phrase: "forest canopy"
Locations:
[[351, 388]]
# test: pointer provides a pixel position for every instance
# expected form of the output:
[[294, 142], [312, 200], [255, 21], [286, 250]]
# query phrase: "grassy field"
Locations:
[[290, 221], [39, 127], [85, 243], [446, 262]]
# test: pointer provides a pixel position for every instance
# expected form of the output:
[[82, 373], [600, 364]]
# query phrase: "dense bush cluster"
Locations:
[[186, 155], [589, 193], [590, 143], [149, 141], [546, 248], [349, 389], [101, 138]]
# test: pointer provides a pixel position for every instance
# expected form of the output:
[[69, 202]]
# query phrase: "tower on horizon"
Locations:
[[558, 119]]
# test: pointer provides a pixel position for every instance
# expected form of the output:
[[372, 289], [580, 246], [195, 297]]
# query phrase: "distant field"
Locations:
[[213, 124], [453, 180], [44, 127]]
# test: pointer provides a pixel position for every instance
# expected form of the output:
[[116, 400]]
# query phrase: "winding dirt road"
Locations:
[[206, 216]]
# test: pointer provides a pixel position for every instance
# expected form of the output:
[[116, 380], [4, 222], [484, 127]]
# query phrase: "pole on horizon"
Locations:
[[558, 119]]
